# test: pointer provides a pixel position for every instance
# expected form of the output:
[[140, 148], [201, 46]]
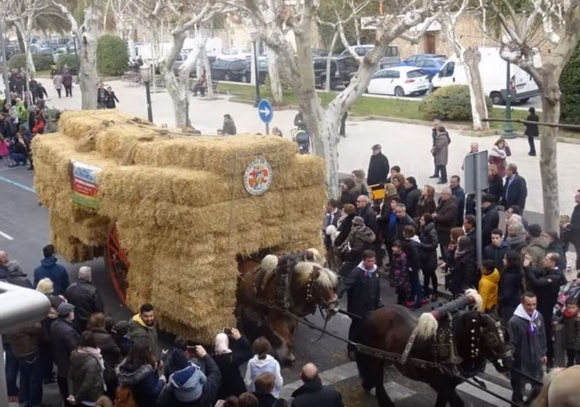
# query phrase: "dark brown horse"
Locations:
[[259, 303], [461, 345]]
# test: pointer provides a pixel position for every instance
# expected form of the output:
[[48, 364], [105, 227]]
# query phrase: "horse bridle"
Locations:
[[493, 340], [311, 286]]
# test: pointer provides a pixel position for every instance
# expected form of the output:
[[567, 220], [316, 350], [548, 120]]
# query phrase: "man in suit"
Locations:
[[331, 218], [515, 191]]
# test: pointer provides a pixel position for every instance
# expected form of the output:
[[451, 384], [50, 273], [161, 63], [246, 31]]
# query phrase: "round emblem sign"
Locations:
[[258, 177]]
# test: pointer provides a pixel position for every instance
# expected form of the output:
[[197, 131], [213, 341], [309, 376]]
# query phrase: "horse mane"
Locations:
[[327, 278], [428, 324]]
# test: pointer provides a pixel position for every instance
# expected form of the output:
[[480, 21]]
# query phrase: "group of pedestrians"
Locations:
[[522, 274], [103, 362]]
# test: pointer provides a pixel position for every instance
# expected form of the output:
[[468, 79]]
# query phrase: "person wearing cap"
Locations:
[[229, 127], [64, 339], [361, 238], [489, 218], [363, 288], [378, 167]]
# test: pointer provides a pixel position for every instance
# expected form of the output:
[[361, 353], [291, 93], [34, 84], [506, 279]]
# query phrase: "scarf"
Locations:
[[516, 240], [96, 352], [521, 312], [368, 273], [498, 152]]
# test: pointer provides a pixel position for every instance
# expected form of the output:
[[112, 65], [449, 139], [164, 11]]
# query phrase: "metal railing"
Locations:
[[19, 307]]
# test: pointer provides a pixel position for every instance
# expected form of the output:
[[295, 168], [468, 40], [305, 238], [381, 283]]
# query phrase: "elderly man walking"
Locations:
[[85, 297]]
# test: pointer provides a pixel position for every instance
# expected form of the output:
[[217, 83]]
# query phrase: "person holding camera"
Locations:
[[231, 351]]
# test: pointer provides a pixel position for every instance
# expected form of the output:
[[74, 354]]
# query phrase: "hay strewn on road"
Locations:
[[181, 209]]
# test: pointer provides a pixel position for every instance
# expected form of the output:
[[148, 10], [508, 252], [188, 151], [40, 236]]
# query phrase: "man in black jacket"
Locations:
[[412, 196], [459, 194], [378, 167], [17, 276], [363, 288], [496, 250], [573, 228], [444, 217], [403, 220], [64, 339], [313, 393], [85, 297], [546, 286], [489, 219], [515, 190], [365, 211]]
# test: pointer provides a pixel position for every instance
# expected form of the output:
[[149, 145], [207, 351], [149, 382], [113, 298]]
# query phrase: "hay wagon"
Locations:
[[173, 213]]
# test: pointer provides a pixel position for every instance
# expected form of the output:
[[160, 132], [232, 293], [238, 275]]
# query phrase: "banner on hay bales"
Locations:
[[85, 184]]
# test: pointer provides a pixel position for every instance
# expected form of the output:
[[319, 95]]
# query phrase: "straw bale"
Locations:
[[305, 171], [92, 231], [229, 154], [76, 124]]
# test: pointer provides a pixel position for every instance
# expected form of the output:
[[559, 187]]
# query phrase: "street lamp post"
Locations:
[[146, 77], [508, 131], [255, 37]]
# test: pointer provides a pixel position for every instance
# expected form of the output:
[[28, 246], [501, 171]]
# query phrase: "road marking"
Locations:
[[18, 184], [343, 372], [6, 236], [480, 394]]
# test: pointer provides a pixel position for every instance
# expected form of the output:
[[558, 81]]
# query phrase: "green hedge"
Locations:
[[112, 55], [42, 62], [68, 60], [570, 88], [449, 103]]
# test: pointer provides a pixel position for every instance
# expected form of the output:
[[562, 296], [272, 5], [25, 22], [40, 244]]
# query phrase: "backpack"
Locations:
[[124, 397]]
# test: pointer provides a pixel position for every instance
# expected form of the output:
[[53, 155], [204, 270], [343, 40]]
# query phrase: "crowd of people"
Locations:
[[21, 118], [522, 274], [97, 361]]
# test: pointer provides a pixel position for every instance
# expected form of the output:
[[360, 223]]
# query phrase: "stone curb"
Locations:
[[461, 127]]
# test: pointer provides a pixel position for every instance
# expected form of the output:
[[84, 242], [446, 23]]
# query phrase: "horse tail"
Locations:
[[427, 327], [269, 263], [543, 400]]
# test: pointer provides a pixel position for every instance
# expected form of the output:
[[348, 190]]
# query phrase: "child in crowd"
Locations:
[[401, 273], [571, 322], [5, 152], [489, 286]]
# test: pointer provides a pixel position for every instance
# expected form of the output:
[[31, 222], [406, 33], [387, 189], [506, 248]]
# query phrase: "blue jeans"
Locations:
[[416, 288], [30, 381], [18, 158]]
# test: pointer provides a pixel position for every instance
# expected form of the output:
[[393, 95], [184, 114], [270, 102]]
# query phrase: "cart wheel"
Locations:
[[117, 263]]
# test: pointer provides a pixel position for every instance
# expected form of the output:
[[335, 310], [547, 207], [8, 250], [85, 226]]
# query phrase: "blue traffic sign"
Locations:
[[265, 111]]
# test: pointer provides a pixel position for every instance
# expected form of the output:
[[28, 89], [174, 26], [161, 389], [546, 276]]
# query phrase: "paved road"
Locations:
[[25, 231]]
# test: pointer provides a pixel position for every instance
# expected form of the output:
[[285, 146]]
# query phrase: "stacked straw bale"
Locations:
[[181, 209]]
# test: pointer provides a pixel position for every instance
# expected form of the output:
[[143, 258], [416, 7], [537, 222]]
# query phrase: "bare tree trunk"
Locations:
[[275, 79], [177, 87], [471, 59], [208, 78], [328, 60], [88, 59], [548, 152]]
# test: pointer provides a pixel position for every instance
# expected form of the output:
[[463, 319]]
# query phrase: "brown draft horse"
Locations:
[[560, 389], [310, 285], [468, 340]]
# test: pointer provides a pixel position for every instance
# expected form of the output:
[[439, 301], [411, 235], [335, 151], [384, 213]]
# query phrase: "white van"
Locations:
[[493, 75]]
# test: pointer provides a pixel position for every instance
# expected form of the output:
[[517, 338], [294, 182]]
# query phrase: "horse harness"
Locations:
[[284, 271]]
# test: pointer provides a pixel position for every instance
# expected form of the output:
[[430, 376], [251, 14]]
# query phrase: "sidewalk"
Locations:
[[406, 145]]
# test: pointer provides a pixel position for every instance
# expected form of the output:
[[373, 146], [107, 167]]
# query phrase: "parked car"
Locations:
[[241, 53], [341, 70], [492, 68], [262, 71], [179, 61], [228, 69], [399, 81], [429, 63], [360, 50], [319, 52], [390, 58]]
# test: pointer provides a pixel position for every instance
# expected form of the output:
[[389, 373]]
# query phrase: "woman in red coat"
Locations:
[[498, 156]]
